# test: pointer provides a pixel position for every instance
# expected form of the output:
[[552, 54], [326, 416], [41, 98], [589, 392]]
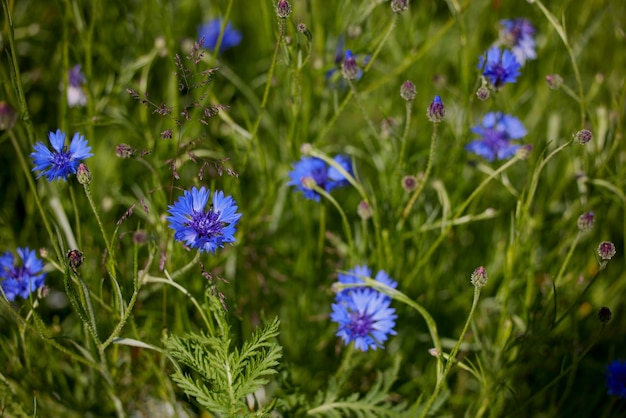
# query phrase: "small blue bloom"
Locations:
[[519, 35], [364, 318], [200, 228], [75, 94], [60, 162], [616, 378], [317, 170], [211, 32], [500, 67], [355, 276], [496, 132], [21, 280]]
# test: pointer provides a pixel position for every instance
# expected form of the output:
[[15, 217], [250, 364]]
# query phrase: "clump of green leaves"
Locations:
[[218, 377]]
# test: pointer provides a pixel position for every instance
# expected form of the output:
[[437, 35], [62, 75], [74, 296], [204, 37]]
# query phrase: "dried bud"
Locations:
[[483, 93], [364, 210], [349, 68], [606, 250], [409, 183], [75, 259], [83, 175], [8, 116], [283, 9], [586, 221], [555, 81], [479, 277], [399, 6], [583, 136], [604, 314], [408, 91], [436, 111]]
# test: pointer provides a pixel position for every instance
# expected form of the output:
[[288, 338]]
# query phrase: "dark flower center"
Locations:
[[61, 159], [206, 224], [361, 324]]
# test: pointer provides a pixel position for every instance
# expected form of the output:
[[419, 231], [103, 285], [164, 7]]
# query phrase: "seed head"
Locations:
[[408, 91], [606, 250], [436, 111], [586, 221], [479, 277], [283, 9], [583, 136]]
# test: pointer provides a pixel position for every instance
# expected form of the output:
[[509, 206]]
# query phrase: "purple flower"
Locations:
[[210, 31], [364, 318], [500, 66], [496, 132], [616, 378], [201, 228], [21, 280], [75, 94], [519, 35], [310, 169], [61, 161]]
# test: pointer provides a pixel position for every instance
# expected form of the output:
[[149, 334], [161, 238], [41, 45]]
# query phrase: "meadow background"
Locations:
[[534, 346]]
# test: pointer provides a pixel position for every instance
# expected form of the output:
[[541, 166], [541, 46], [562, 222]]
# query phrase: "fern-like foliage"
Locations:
[[219, 377], [374, 404]]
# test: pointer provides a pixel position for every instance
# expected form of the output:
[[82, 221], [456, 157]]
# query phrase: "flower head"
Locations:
[[436, 110], [350, 68], [496, 132], [75, 94], [408, 91], [585, 221], [211, 30], [201, 228], [60, 162], [519, 35], [364, 318], [334, 76], [21, 280], [616, 378], [606, 250], [312, 169], [500, 66]]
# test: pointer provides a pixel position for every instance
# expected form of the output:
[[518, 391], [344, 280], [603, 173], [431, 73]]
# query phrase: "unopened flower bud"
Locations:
[[8, 116], [349, 68], [364, 210], [83, 175], [583, 136], [306, 148], [75, 259], [436, 111], [409, 183], [554, 81], [606, 250], [483, 93], [124, 151], [408, 91], [283, 9], [399, 6], [479, 277], [524, 151], [586, 221], [308, 182], [604, 314]]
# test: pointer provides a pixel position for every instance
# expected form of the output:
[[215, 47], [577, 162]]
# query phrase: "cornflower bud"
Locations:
[[583, 136], [408, 91], [409, 183], [399, 6], [554, 81], [586, 221], [75, 259], [283, 9], [436, 111], [606, 250], [479, 277], [364, 210], [8, 116], [83, 175], [349, 67], [482, 93], [604, 314]]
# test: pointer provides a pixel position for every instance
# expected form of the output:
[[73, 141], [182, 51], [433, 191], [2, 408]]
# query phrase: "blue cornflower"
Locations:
[[21, 280], [60, 162], [518, 34], [75, 94], [500, 67], [210, 31], [316, 169], [334, 76], [496, 131], [204, 229], [364, 318], [616, 378], [354, 276]]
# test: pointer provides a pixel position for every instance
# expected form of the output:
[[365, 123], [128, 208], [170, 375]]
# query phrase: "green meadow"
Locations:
[[315, 208]]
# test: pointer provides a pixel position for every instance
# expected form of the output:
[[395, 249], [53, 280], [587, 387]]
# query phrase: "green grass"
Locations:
[[532, 347]]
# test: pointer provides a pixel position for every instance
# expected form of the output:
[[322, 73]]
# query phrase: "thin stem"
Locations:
[[111, 255], [567, 258], [359, 103], [405, 134], [344, 219]]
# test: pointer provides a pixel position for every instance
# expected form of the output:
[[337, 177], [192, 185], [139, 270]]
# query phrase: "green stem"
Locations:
[[359, 103], [567, 258], [111, 255], [344, 219], [405, 134]]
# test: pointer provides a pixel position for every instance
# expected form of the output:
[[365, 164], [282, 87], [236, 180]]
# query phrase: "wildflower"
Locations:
[[500, 66], [496, 131], [8, 116], [583, 136], [211, 30], [606, 250], [349, 68], [616, 378], [355, 276], [436, 111], [479, 277], [604, 314], [75, 95], [518, 34], [61, 161], [586, 221], [408, 91], [314, 171], [200, 228], [21, 280], [364, 318], [283, 9]]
